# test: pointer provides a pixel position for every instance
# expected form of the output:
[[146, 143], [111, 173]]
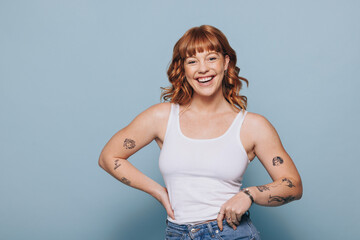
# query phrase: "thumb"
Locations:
[[171, 214], [167, 206], [169, 210]]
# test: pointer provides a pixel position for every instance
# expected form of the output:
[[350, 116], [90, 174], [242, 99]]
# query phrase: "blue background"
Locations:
[[72, 73]]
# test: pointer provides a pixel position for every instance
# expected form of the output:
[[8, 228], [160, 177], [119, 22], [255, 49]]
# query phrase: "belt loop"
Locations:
[[167, 221], [210, 229]]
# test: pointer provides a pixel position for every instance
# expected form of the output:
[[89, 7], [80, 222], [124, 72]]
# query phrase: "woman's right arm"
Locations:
[[140, 132]]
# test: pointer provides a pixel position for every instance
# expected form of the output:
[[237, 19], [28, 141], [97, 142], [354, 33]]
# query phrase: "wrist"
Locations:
[[158, 192], [248, 193]]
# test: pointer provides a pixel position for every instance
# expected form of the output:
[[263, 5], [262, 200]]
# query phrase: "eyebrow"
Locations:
[[212, 52]]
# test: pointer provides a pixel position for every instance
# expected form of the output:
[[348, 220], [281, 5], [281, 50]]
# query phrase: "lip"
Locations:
[[209, 78]]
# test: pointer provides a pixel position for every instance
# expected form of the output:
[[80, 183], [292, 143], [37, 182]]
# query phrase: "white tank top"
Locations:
[[201, 174]]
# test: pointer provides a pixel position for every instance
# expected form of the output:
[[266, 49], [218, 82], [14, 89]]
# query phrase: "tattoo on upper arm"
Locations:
[[129, 143], [263, 188], [125, 181], [281, 199], [117, 164], [288, 182], [277, 161]]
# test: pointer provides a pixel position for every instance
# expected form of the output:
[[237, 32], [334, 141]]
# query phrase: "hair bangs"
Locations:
[[199, 41]]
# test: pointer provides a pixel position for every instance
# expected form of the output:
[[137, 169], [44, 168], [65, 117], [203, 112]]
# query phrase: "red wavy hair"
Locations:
[[199, 39]]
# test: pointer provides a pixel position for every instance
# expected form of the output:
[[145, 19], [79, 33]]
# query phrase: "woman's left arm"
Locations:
[[286, 185]]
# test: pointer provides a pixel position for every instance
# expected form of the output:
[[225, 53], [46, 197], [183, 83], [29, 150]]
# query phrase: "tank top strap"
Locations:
[[174, 109], [174, 113], [240, 119], [171, 123], [234, 129]]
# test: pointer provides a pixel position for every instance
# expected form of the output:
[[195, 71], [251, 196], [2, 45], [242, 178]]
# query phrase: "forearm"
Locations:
[[277, 193], [126, 173]]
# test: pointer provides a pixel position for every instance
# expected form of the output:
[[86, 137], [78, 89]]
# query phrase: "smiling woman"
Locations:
[[205, 72], [202, 40], [207, 139]]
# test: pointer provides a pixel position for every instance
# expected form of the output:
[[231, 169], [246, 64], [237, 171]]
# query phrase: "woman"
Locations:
[[207, 139]]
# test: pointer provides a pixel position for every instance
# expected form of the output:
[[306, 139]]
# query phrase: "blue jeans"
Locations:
[[210, 231]]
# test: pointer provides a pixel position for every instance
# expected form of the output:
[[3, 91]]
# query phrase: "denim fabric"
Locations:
[[206, 231]]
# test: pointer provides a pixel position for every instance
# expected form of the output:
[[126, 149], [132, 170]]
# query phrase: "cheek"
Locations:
[[188, 71]]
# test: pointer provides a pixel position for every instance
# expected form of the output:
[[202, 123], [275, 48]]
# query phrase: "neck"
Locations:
[[207, 105]]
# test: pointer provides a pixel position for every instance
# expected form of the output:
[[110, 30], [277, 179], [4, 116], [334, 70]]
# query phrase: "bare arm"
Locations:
[[286, 185], [139, 133]]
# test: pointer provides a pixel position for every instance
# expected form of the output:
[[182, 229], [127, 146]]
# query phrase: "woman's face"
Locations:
[[205, 72]]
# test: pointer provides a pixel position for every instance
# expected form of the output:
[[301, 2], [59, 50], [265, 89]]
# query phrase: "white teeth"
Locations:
[[204, 79]]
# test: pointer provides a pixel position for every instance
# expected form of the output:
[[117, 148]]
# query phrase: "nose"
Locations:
[[203, 67]]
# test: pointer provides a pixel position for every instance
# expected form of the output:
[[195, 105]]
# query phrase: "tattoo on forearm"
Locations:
[[117, 164], [281, 199], [288, 182], [125, 181], [277, 161], [129, 143], [263, 188]]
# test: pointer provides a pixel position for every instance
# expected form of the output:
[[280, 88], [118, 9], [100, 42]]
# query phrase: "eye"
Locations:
[[212, 58], [190, 62]]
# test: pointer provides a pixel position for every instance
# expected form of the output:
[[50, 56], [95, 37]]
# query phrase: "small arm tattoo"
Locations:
[[288, 182], [129, 143], [281, 199], [277, 161], [263, 188], [117, 164], [125, 181]]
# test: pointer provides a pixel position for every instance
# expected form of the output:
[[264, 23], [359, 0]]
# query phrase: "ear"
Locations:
[[226, 61]]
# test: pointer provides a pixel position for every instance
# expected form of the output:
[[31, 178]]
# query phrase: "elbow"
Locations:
[[101, 162], [106, 160], [295, 185], [299, 191]]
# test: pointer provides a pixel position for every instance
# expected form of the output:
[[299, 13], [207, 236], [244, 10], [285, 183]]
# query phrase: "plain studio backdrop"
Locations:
[[72, 73]]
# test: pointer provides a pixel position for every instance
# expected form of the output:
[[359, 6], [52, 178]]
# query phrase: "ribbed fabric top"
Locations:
[[201, 174]]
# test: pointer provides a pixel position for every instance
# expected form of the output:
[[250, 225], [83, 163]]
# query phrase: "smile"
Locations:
[[204, 79]]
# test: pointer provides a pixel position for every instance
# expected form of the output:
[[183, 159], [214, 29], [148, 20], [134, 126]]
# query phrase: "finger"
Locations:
[[229, 221], [171, 214], [238, 217], [228, 218], [169, 210], [234, 219], [219, 219]]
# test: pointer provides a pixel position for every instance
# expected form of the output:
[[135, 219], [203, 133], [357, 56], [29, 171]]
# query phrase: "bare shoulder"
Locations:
[[158, 112], [161, 110], [256, 120], [155, 112], [156, 117], [258, 126]]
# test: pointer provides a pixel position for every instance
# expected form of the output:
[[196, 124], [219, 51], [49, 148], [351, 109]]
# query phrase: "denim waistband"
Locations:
[[212, 224]]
